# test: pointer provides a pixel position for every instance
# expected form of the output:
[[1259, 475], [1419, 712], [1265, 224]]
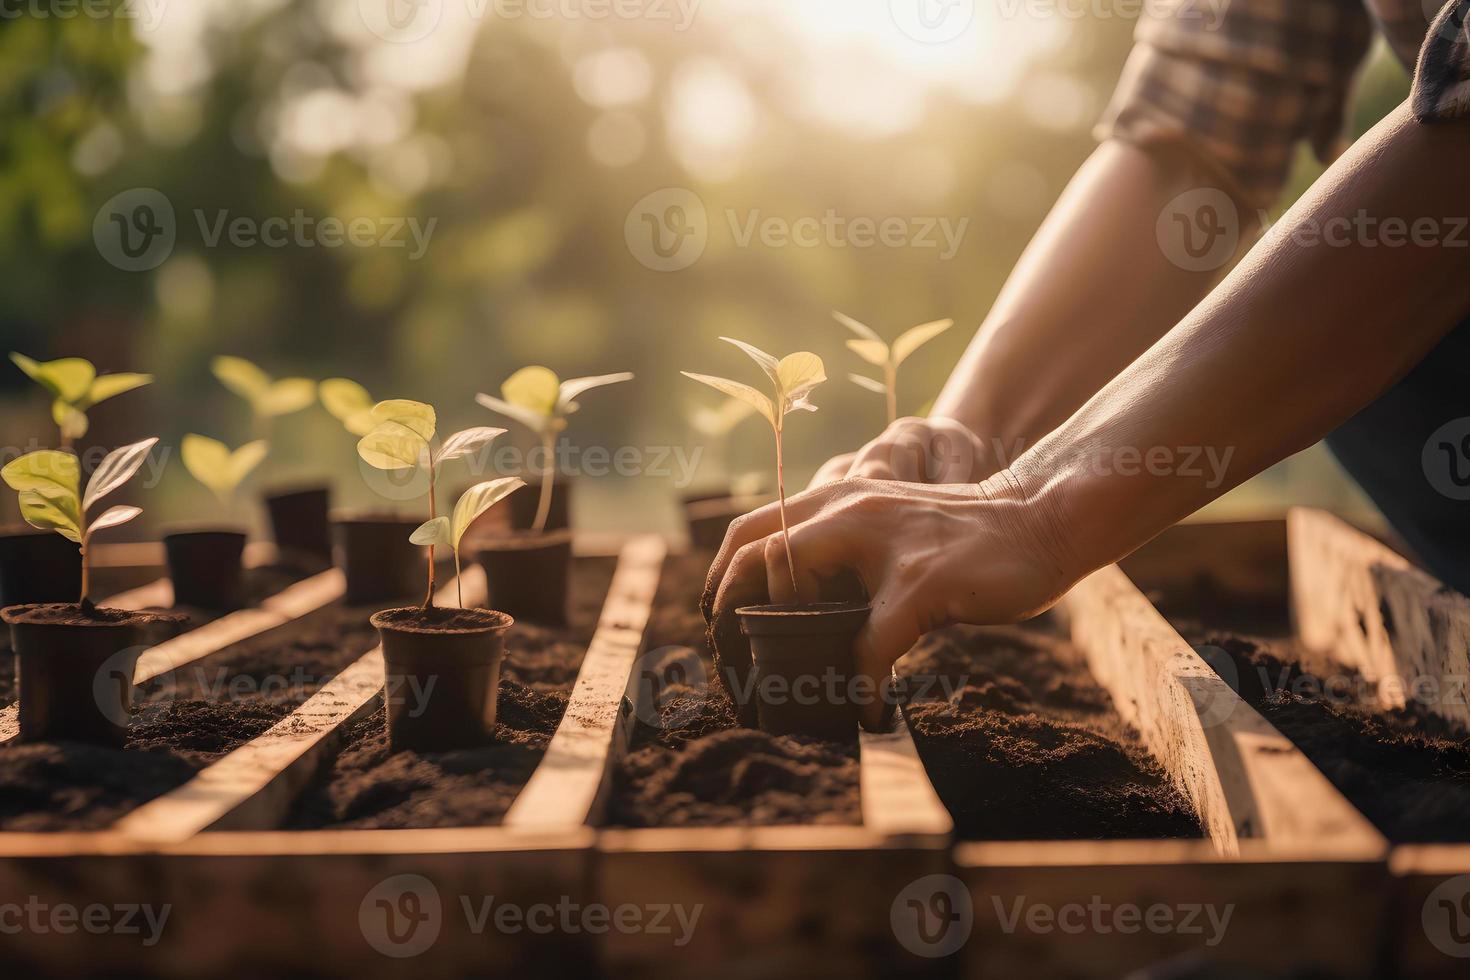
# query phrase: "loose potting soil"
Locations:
[[370, 786], [1022, 744], [690, 765], [1405, 770]]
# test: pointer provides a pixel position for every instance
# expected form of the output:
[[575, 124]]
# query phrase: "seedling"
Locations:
[[267, 397], [449, 531], [349, 403], [793, 377], [402, 438], [537, 399], [219, 468], [75, 386], [873, 349], [716, 424], [49, 484]]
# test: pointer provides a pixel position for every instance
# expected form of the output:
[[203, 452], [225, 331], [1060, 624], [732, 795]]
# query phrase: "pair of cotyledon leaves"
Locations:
[[75, 386], [792, 377], [877, 352], [49, 484]]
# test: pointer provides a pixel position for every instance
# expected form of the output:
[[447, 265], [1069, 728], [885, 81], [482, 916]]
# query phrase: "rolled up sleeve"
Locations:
[[1442, 77], [1240, 83]]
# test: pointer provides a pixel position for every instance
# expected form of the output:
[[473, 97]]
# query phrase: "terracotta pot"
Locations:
[[205, 567], [75, 670], [301, 526], [442, 671], [378, 559], [803, 667], [527, 575], [38, 566]]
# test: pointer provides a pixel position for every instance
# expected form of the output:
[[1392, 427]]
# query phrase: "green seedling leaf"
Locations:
[[875, 352], [67, 379], [537, 399], [570, 390], [70, 420], [241, 376], [432, 533], [51, 514], [768, 363], [719, 422], [916, 337], [735, 389], [268, 398], [870, 384], [349, 403], [796, 376], [111, 385], [112, 517], [51, 473], [466, 442], [535, 389], [214, 465], [399, 439], [287, 396], [414, 416], [116, 469], [478, 499], [863, 331]]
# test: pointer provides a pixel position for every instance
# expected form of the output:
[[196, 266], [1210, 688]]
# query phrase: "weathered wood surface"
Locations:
[[898, 800], [254, 786], [1230, 574], [570, 785], [1431, 923], [1244, 779], [1359, 604]]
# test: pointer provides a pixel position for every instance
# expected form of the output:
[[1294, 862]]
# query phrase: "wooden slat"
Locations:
[[1242, 776], [569, 787], [254, 786], [1357, 603], [293, 602], [897, 798]]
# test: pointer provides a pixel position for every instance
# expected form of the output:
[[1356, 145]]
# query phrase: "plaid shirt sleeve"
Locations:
[[1442, 80], [1240, 83]]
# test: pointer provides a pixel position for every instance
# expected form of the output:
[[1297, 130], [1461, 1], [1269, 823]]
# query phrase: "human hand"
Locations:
[[915, 450], [928, 556]]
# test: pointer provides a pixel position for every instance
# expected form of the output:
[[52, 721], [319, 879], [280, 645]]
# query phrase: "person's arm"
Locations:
[[1305, 332]]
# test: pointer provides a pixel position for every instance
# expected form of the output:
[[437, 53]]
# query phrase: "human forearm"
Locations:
[[1303, 334], [1093, 290]]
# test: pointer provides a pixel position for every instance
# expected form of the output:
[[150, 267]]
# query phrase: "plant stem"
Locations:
[[785, 531], [548, 477], [458, 579], [433, 513], [84, 602], [890, 372]]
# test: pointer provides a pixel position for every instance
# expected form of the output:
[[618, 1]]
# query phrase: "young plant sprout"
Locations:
[[49, 484], [402, 438], [793, 377], [349, 403], [267, 397], [449, 531], [717, 423], [75, 386], [537, 399], [873, 349], [220, 469]]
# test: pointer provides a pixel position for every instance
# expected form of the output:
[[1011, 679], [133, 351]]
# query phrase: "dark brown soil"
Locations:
[[72, 614], [442, 619], [695, 767], [1022, 744], [368, 786], [1406, 770]]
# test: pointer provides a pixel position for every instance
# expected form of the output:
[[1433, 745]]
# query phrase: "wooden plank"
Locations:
[[1242, 776], [254, 786], [898, 801], [569, 787], [1359, 604], [293, 602], [1431, 921]]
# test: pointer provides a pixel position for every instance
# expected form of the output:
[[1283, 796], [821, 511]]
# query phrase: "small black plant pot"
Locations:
[[523, 504], [710, 517], [74, 670], [442, 669], [527, 575], [206, 569], [301, 526], [38, 566], [803, 667], [378, 559]]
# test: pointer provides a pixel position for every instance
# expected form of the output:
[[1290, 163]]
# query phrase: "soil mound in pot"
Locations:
[[1022, 744], [692, 766], [371, 787], [1405, 770]]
